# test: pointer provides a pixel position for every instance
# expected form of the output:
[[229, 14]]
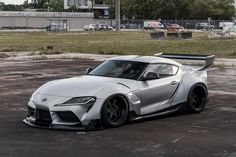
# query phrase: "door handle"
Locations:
[[173, 83]]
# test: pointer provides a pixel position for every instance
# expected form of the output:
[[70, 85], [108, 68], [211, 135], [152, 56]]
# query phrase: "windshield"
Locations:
[[119, 69]]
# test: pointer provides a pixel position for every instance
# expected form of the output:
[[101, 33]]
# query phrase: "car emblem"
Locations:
[[44, 99]]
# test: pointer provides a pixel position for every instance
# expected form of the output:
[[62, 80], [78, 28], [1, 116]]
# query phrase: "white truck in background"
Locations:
[[226, 25], [151, 25]]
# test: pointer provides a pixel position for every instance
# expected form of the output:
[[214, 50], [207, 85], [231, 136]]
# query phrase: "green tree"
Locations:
[[40, 4], [178, 9], [74, 9], [1, 6], [11, 7], [57, 5], [222, 9]]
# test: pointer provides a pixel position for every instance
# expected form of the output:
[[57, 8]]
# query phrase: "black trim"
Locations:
[[67, 116], [185, 56], [175, 91], [208, 58], [31, 111], [94, 125], [43, 117], [123, 85], [164, 110]]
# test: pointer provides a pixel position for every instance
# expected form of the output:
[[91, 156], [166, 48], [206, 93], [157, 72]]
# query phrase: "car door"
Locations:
[[156, 93]]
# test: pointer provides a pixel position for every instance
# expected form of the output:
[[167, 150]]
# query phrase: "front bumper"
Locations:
[[31, 123], [60, 120]]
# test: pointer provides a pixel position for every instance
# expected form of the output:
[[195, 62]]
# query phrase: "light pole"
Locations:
[[117, 15], [110, 12]]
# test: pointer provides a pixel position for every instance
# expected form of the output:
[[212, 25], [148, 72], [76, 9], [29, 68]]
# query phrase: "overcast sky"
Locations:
[[12, 1]]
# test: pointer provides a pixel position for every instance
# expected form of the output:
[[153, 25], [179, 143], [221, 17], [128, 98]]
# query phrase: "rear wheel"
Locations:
[[114, 111], [197, 99]]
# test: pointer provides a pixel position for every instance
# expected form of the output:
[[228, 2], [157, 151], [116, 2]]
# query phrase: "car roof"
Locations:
[[145, 59]]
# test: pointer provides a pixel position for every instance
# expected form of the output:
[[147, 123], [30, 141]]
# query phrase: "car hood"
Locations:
[[86, 86]]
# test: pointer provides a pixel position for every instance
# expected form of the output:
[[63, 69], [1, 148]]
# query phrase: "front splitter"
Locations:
[[60, 127]]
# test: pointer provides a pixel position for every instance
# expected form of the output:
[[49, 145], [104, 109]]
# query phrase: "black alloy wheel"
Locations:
[[197, 99], [114, 111]]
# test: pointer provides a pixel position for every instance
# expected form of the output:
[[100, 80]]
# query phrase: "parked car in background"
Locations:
[[151, 25], [97, 27], [89, 27], [204, 26], [174, 27], [57, 26], [106, 27]]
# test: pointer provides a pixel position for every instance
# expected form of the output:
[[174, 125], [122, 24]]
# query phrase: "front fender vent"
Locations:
[[123, 85]]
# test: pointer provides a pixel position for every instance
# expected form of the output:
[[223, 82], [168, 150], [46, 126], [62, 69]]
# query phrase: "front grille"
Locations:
[[68, 116], [43, 117]]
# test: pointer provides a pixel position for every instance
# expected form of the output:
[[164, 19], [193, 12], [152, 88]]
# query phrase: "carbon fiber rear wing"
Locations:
[[209, 59]]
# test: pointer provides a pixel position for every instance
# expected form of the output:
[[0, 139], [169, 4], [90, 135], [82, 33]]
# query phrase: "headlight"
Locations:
[[79, 101]]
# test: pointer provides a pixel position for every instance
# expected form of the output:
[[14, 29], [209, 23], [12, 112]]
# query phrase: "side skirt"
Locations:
[[166, 111]]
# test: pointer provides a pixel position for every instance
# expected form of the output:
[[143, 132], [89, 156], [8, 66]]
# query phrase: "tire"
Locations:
[[114, 111], [197, 99]]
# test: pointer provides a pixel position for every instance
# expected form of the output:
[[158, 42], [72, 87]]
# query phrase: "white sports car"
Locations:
[[120, 89]]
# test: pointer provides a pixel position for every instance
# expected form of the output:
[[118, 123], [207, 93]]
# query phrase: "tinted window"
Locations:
[[119, 69], [163, 70]]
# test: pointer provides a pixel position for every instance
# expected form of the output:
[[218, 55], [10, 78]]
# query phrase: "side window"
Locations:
[[163, 70]]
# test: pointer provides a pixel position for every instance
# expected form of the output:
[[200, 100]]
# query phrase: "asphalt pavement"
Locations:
[[211, 133]]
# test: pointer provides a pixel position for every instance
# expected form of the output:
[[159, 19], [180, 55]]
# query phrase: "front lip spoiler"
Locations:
[[60, 127]]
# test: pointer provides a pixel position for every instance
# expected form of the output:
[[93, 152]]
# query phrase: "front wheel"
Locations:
[[114, 112], [197, 99]]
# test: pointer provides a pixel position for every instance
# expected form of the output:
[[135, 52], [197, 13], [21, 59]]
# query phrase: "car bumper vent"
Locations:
[[68, 116], [43, 117], [31, 112]]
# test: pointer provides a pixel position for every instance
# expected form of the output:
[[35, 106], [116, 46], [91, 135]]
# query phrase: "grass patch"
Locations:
[[114, 43]]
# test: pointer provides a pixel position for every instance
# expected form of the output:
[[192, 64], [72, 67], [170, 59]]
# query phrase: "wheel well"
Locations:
[[117, 95], [200, 87], [122, 98]]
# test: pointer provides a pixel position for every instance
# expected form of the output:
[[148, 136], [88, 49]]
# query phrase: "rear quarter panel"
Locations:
[[190, 78]]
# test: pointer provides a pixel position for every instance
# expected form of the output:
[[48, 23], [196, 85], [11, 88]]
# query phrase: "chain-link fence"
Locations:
[[187, 24], [75, 24]]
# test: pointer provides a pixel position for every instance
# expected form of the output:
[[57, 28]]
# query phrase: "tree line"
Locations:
[[178, 9], [146, 9]]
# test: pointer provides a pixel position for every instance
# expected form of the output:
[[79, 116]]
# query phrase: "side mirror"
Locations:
[[150, 76], [88, 71]]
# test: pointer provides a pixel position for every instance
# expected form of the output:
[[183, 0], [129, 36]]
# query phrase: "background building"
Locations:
[[42, 20], [83, 4], [99, 7]]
